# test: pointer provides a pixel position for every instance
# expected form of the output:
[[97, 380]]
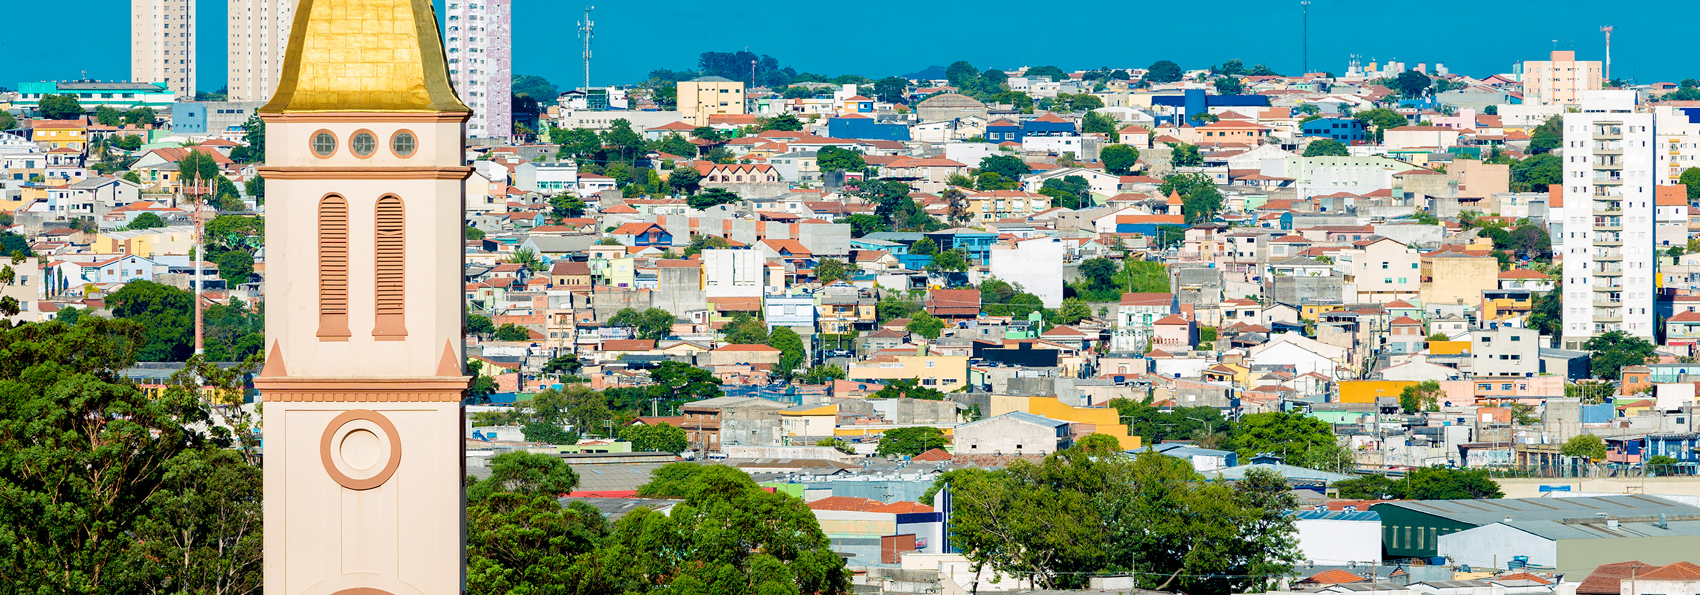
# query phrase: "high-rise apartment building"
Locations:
[[1559, 80], [1610, 182], [258, 33], [162, 44], [703, 97], [480, 42]]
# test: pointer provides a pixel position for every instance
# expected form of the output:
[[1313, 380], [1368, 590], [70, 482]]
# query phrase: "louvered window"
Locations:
[[333, 268], [390, 271]]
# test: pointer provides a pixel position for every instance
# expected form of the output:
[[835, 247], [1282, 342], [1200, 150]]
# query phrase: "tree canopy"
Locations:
[[1614, 351]]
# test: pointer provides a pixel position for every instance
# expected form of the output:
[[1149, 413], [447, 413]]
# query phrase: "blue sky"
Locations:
[[1480, 39]]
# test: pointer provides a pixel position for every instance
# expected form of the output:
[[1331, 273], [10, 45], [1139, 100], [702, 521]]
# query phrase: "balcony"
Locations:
[[1608, 132], [1608, 147]]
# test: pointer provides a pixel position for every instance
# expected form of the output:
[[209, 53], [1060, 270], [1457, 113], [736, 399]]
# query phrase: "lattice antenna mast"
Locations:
[[1304, 43], [587, 30], [1607, 30]]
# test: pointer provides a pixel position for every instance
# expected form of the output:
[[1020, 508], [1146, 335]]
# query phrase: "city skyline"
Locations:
[[631, 41]]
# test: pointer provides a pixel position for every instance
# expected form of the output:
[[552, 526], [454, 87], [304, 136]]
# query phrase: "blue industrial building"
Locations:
[[1196, 101], [866, 129], [1346, 130], [975, 243]]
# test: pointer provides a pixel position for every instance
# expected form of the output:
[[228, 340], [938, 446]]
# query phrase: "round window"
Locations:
[[324, 144], [403, 144], [363, 144]]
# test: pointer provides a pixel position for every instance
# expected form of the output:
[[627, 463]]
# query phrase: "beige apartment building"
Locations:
[[258, 32], [162, 44], [1560, 80], [709, 95]]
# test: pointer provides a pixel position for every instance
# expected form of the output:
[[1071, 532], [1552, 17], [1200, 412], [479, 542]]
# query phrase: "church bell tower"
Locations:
[[363, 380]]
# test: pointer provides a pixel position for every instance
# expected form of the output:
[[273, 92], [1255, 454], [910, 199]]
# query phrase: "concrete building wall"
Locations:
[[479, 41], [700, 98], [679, 290], [1005, 435], [1491, 546], [1331, 542], [258, 34], [1035, 265], [831, 239], [162, 44], [732, 273], [1505, 351], [1608, 258]]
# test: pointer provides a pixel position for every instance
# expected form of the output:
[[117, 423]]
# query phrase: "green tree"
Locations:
[[1422, 396], [1371, 487], [924, 247], [1380, 120], [713, 197], [512, 332], [652, 324], [235, 267], [823, 374], [907, 388], [478, 324], [1659, 465], [1098, 273], [785, 122], [566, 205], [146, 221], [925, 325], [527, 474], [1298, 439], [1119, 159], [1008, 167], [1691, 178], [911, 440], [862, 224], [107, 116], [140, 116], [1587, 446], [1616, 350], [164, 313], [831, 158], [1411, 83], [1185, 155], [533, 86], [1227, 85], [1440, 483], [1548, 136], [1072, 311], [1326, 147], [891, 89], [7, 120], [791, 350], [1162, 71], [829, 270], [1537, 173], [661, 437], [108, 488], [1201, 201], [678, 382], [60, 107], [1095, 122], [953, 260], [744, 330]]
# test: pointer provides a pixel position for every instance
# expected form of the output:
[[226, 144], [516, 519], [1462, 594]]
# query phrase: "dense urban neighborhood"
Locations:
[[1207, 329]]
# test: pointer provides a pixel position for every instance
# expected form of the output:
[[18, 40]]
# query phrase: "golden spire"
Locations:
[[364, 56]]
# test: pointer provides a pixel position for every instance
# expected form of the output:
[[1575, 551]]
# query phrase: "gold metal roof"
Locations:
[[364, 56]]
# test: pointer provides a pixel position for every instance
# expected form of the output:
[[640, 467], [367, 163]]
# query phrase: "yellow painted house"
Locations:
[[942, 372], [809, 420], [1107, 420], [148, 243], [61, 134], [1365, 391]]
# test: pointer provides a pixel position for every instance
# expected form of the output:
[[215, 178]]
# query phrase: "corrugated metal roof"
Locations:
[[1484, 512], [1337, 515]]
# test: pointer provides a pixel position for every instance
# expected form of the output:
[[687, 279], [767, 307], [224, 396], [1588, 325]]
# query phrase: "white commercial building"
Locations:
[[162, 44], [733, 273], [258, 34], [1034, 265], [1339, 538], [1608, 225], [480, 46]]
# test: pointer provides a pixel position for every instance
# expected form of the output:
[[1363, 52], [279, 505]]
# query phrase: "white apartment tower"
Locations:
[[258, 33], [480, 44], [162, 44], [1609, 187]]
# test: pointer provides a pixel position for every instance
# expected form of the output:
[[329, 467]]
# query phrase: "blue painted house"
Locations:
[[1346, 130], [1195, 101], [1003, 131], [1047, 125], [977, 244], [643, 234]]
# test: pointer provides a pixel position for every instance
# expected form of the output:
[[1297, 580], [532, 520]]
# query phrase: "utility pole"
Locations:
[[1607, 30], [200, 255], [1304, 44], [587, 29]]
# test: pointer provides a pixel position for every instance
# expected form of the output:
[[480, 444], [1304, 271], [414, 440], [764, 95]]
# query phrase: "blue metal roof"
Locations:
[[1337, 515]]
